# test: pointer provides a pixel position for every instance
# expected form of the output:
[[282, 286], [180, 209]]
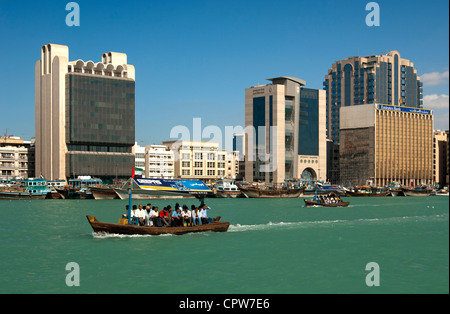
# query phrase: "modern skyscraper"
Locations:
[[385, 79], [84, 115], [286, 137]]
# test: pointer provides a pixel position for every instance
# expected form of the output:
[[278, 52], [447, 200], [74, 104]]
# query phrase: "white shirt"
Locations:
[[203, 213], [141, 213], [186, 214]]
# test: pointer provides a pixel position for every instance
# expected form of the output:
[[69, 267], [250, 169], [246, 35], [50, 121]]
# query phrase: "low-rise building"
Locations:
[[16, 157], [198, 160], [156, 161]]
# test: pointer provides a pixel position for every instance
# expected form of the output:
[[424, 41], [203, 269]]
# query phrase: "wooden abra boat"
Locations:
[[215, 226], [317, 203]]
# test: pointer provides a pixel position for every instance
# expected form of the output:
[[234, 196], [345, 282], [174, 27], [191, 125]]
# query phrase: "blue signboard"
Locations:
[[404, 109]]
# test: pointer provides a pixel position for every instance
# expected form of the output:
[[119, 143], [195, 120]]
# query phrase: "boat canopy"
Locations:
[[174, 186]]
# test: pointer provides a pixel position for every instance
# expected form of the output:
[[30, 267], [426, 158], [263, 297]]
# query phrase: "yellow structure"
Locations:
[[385, 143]]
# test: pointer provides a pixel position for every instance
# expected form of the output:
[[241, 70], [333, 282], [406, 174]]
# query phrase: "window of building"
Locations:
[[185, 156], [198, 156], [186, 172], [186, 164], [211, 165], [198, 172], [211, 172], [198, 164]]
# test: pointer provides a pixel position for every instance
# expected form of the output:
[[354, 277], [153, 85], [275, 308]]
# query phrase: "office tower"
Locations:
[[384, 79], [384, 144], [285, 126], [84, 115]]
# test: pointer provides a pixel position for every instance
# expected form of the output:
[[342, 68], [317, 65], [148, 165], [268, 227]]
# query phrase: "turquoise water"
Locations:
[[272, 246]]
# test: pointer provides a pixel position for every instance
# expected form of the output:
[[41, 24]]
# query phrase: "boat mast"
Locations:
[[130, 196]]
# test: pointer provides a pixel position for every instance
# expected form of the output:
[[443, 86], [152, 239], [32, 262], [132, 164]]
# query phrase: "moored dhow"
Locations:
[[266, 191], [226, 188], [418, 191], [104, 193], [28, 189]]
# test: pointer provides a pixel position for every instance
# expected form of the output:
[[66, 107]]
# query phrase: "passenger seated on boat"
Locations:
[[176, 218], [141, 215], [148, 220], [155, 217], [126, 212], [195, 216], [134, 212], [186, 215], [165, 218], [204, 214]]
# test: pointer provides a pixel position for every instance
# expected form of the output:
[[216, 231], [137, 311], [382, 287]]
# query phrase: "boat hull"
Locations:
[[104, 194], [229, 194], [408, 192], [100, 227], [21, 196], [363, 194]]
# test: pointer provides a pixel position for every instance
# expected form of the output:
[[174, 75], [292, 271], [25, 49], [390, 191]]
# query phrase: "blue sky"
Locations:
[[194, 59]]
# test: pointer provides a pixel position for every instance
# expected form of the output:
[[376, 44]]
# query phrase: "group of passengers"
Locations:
[[329, 199], [167, 217]]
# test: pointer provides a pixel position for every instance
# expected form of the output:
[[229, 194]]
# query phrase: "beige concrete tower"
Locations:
[[84, 115]]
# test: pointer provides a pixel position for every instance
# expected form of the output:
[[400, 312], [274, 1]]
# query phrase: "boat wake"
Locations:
[[106, 235], [331, 223]]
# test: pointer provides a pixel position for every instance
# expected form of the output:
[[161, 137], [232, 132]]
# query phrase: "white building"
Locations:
[[160, 161], [16, 158]]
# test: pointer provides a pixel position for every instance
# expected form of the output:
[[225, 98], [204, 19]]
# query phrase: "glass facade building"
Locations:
[[100, 118], [308, 128], [288, 136], [385, 79]]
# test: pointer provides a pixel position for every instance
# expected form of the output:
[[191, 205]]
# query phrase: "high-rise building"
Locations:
[[286, 136], [85, 115], [384, 144], [386, 79]]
